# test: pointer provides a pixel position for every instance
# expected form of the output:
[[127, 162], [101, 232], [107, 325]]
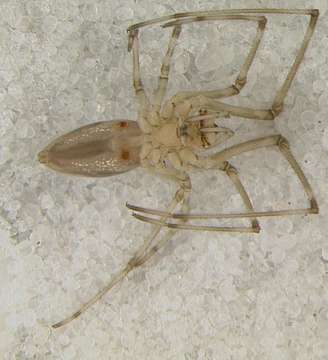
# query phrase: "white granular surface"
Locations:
[[64, 64]]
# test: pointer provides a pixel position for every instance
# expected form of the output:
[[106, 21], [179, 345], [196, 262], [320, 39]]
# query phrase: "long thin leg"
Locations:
[[241, 79], [277, 104], [181, 196], [216, 160], [231, 172], [278, 101], [235, 215], [222, 12], [233, 175], [138, 258], [196, 227], [115, 280], [152, 250], [285, 150], [206, 103], [274, 140], [142, 98], [165, 69]]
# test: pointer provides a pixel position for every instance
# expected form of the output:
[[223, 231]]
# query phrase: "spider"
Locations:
[[169, 137]]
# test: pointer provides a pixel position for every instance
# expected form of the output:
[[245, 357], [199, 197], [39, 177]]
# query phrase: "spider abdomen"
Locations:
[[100, 149]]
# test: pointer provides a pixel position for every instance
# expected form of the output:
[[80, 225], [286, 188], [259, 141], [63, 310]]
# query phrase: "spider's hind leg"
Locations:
[[146, 251], [282, 144], [232, 173], [219, 159]]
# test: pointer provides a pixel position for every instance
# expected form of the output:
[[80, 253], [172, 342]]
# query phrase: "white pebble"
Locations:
[[325, 139], [47, 201], [324, 253]]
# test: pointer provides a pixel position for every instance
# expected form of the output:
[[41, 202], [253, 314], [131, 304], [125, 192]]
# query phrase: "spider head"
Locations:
[[99, 149]]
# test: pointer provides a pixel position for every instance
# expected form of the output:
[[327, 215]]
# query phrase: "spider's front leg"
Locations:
[[149, 114], [165, 69], [241, 78], [209, 96], [141, 95]]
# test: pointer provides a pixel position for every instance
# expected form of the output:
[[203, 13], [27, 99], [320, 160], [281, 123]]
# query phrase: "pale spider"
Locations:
[[168, 138]]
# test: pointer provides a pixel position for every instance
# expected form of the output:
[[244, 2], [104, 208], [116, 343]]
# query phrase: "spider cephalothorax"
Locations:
[[176, 142]]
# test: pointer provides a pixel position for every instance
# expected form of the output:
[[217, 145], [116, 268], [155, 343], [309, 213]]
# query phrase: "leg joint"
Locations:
[[314, 206], [262, 22], [239, 83], [315, 13], [138, 86], [283, 143], [176, 31], [256, 226], [184, 180], [276, 109], [134, 262], [229, 169], [236, 88], [165, 69]]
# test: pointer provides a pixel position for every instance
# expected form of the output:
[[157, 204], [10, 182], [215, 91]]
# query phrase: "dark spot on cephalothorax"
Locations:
[[123, 124], [125, 155]]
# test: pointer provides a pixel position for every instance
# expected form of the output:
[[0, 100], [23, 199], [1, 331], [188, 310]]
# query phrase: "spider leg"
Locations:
[[233, 175], [241, 79], [165, 239], [221, 12], [206, 103], [236, 215], [216, 160], [181, 196], [278, 101], [145, 121], [277, 104], [139, 258], [195, 227], [165, 69], [283, 145], [142, 98], [115, 280]]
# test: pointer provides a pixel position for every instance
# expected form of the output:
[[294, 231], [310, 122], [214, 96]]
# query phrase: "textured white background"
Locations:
[[63, 64]]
